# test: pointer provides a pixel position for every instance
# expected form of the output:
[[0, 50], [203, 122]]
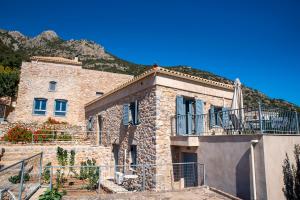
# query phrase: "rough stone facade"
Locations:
[[142, 135], [74, 84], [82, 152], [157, 108]]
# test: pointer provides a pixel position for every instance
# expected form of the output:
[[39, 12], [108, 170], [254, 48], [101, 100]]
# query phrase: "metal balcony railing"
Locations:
[[239, 121]]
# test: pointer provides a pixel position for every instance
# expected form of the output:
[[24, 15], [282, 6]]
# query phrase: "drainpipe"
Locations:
[[253, 143]]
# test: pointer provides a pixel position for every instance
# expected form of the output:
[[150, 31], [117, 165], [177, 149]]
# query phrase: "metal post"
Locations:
[[297, 122], [144, 178], [51, 176], [260, 118], [41, 169], [21, 181]]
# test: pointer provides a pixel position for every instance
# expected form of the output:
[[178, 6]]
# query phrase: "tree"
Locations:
[[9, 80], [291, 176]]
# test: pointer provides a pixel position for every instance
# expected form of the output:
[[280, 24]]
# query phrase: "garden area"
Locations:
[[67, 178], [50, 131]]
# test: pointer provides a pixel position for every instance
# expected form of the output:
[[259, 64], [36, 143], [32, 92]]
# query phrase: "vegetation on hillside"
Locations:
[[9, 80], [14, 47]]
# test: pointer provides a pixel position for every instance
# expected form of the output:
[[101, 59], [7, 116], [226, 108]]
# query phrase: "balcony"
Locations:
[[234, 122]]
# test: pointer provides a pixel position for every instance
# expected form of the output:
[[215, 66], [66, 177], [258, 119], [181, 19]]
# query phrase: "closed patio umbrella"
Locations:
[[237, 103]]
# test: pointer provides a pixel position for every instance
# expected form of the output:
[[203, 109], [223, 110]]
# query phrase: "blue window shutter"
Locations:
[[126, 114], [212, 121], [190, 117], [199, 117], [225, 117], [180, 117]]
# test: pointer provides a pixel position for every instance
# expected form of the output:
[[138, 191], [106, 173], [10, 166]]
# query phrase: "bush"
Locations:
[[51, 195], [46, 173], [291, 176], [17, 178], [18, 134], [90, 172]]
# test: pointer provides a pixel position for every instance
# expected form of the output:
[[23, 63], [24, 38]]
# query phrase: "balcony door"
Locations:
[[189, 119]]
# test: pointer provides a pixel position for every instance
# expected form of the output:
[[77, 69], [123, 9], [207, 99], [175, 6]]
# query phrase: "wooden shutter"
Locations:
[[190, 117], [199, 119], [126, 114], [225, 117], [212, 120], [180, 117]]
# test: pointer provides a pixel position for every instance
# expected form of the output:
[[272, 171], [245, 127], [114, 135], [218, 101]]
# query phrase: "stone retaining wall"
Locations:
[[101, 154]]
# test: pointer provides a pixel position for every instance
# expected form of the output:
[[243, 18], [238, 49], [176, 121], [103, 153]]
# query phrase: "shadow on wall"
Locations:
[[243, 177]]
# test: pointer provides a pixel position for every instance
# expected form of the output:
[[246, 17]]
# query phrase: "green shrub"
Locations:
[[90, 172], [46, 173], [17, 178], [291, 176], [51, 195]]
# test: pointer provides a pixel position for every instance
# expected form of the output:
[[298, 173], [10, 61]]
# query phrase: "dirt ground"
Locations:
[[202, 193]]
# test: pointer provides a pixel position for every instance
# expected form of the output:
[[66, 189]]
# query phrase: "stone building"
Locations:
[[137, 118], [58, 88]]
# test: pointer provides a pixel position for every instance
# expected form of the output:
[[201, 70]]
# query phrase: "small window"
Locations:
[[40, 106], [131, 113], [133, 154], [90, 123], [52, 86], [60, 107], [99, 93]]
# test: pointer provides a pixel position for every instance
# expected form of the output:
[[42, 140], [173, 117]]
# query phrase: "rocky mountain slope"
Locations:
[[15, 47]]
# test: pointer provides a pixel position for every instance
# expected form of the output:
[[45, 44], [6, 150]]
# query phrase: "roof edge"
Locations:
[[156, 70], [58, 60]]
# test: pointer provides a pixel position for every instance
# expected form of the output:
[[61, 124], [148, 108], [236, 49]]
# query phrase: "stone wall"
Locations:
[[142, 135], [74, 84], [101, 154]]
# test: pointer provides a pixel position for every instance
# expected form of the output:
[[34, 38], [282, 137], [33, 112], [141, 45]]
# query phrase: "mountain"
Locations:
[[15, 47]]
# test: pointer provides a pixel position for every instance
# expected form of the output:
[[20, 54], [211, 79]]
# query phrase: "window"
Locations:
[[40, 106], [90, 123], [133, 154], [189, 115], [60, 107], [216, 115], [52, 86], [131, 113], [99, 93]]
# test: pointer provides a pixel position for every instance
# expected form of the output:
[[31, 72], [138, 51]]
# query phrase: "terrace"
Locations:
[[187, 128]]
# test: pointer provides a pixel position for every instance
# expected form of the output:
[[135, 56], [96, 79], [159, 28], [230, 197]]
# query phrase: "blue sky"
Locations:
[[257, 41]]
